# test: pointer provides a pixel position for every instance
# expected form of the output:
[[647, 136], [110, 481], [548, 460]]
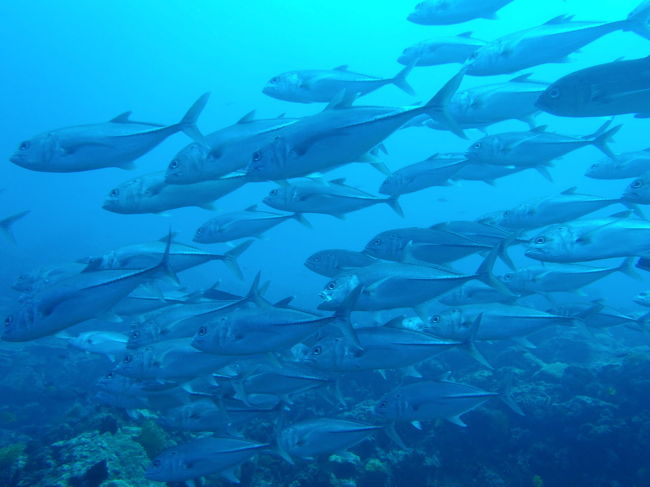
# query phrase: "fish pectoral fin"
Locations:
[[456, 420], [417, 425]]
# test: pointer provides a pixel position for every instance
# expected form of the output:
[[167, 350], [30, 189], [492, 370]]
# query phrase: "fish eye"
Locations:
[[173, 164], [274, 192], [317, 350], [476, 146], [331, 285], [257, 156], [540, 240], [203, 331], [315, 259], [135, 334], [507, 277], [507, 213], [9, 320], [435, 319], [156, 463], [383, 404], [199, 231], [109, 375], [128, 359], [115, 193], [554, 92], [636, 184], [275, 79], [24, 146], [376, 242]]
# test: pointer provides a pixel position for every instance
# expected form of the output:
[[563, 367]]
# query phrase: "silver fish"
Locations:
[[626, 165], [585, 240], [241, 224], [497, 322], [107, 343], [429, 400], [382, 347], [420, 245], [150, 194], [560, 278], [334, 261], [324, 85], [320, 436], [181, 257], [445, 12], [328, 197], [441, 50], [116, 143], [168, 360], [607, 89], [535, 148], [551, 42], [436, 170], [566, 206], [200, 457], [485, 105]]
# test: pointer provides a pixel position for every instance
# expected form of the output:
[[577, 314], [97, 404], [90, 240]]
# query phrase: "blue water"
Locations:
[[66, 63]]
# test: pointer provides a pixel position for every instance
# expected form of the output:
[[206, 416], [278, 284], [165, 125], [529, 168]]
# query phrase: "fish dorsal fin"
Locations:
[[571, 190], [251, 208], [338, 181], [466, 35], [560, 19], [539, 129], [121, 118], [249, 117], [522, 78], [342, 67], [344, 99]]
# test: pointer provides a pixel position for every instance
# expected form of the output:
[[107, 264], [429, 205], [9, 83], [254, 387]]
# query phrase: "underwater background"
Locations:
[[584, 393]]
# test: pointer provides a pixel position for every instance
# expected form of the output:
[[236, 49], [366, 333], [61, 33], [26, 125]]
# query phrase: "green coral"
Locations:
[[10, 454], [152, 438], [538, 481]]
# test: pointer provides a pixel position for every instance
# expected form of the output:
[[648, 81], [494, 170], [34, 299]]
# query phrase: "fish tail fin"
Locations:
[[437, 107], [400, 79], [627, 268], [163, 267], [188, 123], [643, 320], [342, 315], [638, 21], [484, 271], [603, 136], [506, 397], [230, 258], [6, 223], [302, 220], [393, 202], [470, 344]]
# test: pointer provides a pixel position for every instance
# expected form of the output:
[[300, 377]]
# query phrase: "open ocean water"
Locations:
[[139, 347]]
